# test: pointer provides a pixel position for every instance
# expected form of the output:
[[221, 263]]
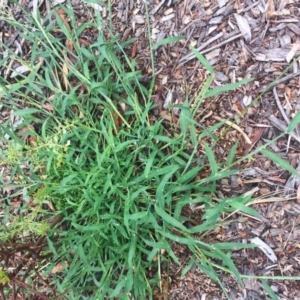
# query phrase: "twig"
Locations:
[[295, 221], [292, 182], [283, 114], [236, 127], [25, 275], [262, 36], [257, 201], [8, 68], [256, 138], [282, 127], [280, 106], [282, 80], [157, 7], [251, 6], [27, 286], [47, 285], [184, 30], [191, 56]]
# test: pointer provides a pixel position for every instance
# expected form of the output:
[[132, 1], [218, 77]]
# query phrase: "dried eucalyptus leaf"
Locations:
[[243, 26]]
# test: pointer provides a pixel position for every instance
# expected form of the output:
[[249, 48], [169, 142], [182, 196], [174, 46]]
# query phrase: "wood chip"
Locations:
[[212, 54], [277, 54], [221, 3], [285, 41], [139, 19], [294, 28], [157, 7], [243, 26], [168, 11], [167, 18], [293, 51], [281, 126], [216, 20]]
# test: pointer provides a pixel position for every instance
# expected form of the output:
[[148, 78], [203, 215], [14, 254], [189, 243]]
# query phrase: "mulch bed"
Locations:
[[241, 39]]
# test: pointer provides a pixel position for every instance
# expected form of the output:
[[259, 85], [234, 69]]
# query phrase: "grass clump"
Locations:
[[117, 177], [120, 185]]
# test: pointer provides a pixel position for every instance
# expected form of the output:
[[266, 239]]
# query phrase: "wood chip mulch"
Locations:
[[241, 39]]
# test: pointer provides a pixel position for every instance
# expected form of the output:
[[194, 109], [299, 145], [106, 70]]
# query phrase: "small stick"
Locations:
[[280, 106], [282, 80], [191, 56], [28, 287], [295, 221], [256, 138], [283, 114], [9, 67], [248, 141], [282, 127]]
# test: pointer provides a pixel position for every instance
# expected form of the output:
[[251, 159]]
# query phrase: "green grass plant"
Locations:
[[121, 188]]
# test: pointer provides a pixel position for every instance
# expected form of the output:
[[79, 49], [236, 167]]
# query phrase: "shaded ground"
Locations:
[[241, 39]]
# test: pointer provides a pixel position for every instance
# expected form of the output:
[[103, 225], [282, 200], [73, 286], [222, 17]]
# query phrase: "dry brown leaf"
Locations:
[[84, 42], [134, 50], [32, 141], [26, 128], [32, 203], [62, 14], [164, 114], [48, 106], [288, 92], [158, 101], [298, 194], [27, 138], [71, 57], [117, 119], [83, 89], [59, 267], [255, 139], [65, 70], [290, 249], [74, 108]]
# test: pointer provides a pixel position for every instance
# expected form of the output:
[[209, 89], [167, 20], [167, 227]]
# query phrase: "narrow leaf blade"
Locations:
[[294, 123], [168, 40], [281, 162]]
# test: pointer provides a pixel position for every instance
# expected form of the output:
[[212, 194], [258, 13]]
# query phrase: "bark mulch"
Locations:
[[241, 39]]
